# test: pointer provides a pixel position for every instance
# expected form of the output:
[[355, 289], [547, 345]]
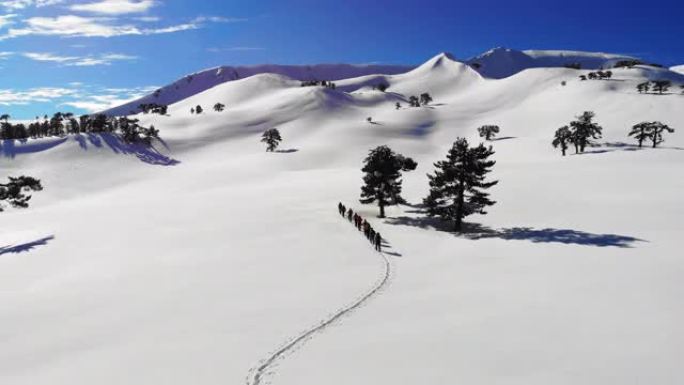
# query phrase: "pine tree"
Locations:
[[657, 130], [414, 102], [562, 138], [382, 179], [218, 107], [15, 191], [398, 105], [272, 139], [661, 86], [642, 132], [425, 99], [199, 110], [457, 187], [644, 87], [488, 132], [584, 129]]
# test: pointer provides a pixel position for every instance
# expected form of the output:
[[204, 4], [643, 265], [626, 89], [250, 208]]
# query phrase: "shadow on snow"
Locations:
[[146, 154], [25, 247], [547, 235]]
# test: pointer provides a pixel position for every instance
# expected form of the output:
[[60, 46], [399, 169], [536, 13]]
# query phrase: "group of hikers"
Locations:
[[362, 225]]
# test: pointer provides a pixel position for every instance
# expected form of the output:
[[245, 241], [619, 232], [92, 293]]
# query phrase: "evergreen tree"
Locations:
[[414, 102], [642, 132], [198, 110], [584, 129], [382, 179], [644, 87], [425, 99], [398, 105], [15, 191], [272, 139], [383, 87], [661, 86], [657, 130], [218, 107], [488, 132], [457, 189], [562, 138]]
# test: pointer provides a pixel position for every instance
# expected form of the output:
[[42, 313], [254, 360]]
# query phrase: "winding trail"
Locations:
[[259, 372]]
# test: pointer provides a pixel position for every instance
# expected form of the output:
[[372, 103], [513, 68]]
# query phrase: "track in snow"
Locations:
[[258, 373]]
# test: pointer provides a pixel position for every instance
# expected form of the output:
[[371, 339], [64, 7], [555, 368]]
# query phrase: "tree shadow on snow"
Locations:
[[504, 138], [288, 151], [548, 235], [146, 154], [25, 247], [9, 149], [607, 147]]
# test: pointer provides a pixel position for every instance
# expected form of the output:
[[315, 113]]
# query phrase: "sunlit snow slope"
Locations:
[[191, 264]]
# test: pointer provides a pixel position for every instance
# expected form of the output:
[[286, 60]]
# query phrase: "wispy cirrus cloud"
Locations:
[[79, 26], [6, 20], [115, 7], [234, 49], [75, 95], [21, 4], [10, 97], [78, 61]]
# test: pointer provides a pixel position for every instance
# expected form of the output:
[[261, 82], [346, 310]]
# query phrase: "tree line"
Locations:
[[580, 132]]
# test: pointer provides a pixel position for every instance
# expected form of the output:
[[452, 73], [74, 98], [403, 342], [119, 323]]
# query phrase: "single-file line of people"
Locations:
[[362, 225]]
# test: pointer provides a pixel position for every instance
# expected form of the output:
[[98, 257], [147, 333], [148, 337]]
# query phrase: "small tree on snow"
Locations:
[[414, 101], [641, 132], [425, 99], [198, 109], [218, 107], [584, 129], [14, 191], [488, 132], [457, 189], [562, 138], [272, 139], [661, 86], [657, 130], [644, 87], [382, 179], [398, 105]]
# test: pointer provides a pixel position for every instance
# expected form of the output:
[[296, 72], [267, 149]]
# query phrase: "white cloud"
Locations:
[[109, 98], [218, 19], [6, 20], [34, 95], [115, 7], [21, 4], [78, 26], [78, 61]]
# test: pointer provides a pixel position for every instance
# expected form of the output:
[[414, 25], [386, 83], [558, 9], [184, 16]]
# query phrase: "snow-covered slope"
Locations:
[[195, 83], [500, 62], [678, 69], [133, 269]]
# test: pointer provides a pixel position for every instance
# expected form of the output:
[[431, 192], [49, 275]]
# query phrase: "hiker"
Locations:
[[378, 242], [366, 228], [371, 236], [340, 208], [349, 215]]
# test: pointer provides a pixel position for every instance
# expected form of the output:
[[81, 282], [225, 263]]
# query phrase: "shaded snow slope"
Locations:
[[201, 81], [678, 69], [128, 269], [503, 62]]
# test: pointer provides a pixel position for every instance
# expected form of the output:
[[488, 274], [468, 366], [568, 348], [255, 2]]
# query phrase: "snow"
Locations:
[[195, 272], [201, 81], [502, 62], [678, 69]]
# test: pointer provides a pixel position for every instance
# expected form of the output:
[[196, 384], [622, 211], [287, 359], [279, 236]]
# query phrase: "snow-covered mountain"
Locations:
[[202, 260], [195, 83], [500, 62], [678, 69]]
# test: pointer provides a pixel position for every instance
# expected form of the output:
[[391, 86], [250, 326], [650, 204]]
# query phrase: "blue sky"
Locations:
[[81, 55]]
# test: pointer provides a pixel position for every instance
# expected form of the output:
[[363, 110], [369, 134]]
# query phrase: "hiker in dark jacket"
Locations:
[[378, 242], [350, 213], [341, 209], [371, 235]]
